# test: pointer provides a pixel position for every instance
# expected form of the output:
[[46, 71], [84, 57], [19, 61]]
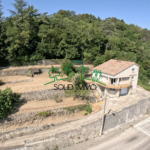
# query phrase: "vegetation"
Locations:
[[44, 113], [27, 36], [86, 108], [54, 70], [8, 100], [57, 99], [78, 90], [85, 112]]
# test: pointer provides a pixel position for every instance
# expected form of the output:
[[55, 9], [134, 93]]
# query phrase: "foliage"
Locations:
[[85, 112], [84, 72], [66, 64], [8, 99], [53, 70], [86, 108], [27, 36], [71, 75], [44, 113], [56, 98]]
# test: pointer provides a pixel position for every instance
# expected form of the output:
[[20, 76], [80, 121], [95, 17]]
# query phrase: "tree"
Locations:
[[2, 37], [8, 101], [22, 36]]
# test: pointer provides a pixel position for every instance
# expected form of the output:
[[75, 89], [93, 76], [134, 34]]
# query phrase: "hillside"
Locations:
[[27, 36]]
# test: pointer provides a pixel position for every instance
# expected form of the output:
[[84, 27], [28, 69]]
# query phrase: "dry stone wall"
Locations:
[[22, 118], [50, 94], [15, 119], [16, 72], [42, 95]]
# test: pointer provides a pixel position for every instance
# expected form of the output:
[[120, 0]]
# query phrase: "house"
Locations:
[[120, 77]]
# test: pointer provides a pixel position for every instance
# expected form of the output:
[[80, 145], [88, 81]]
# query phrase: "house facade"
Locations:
[[120, 78]]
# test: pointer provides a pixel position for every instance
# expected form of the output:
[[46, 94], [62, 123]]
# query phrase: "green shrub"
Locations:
[[67, 63], [85, 112], [71, 75], [56, 98], [84, 72], [86, 101], [44, 113], [54, 70], [8, 99], [86, 108]]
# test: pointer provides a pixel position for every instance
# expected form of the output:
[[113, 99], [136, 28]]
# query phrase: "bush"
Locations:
[[56, 97], [85, 112], [66, 62], [8, 99], [86, 108], [44, 113], [79, 81], [71, 75], [84, 72], [54, 70]]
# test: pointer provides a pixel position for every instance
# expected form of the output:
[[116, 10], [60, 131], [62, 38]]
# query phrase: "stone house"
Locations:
[[120, 77]]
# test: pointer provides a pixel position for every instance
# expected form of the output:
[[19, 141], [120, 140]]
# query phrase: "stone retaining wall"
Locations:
[[42, 95], [16, 72], [16, 119], [50, 94], [88, 129], [59, 61]]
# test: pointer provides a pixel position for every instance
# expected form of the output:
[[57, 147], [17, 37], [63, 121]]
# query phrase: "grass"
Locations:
[[56, 98], [85, 112], [86, 108], [44, 113]]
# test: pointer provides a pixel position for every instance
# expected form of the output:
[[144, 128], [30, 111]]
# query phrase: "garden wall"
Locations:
[[16, 72], [42, 95], [50, 94], [87, 128], [16, 119], [59, 61]]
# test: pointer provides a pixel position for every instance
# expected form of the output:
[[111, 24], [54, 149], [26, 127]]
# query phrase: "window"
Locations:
[[112, 89], [133, 69], [113, 81], [132, 77]]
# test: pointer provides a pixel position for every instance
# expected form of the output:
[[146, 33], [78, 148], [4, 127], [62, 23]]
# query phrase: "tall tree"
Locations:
[[22, 36], [2, 36]]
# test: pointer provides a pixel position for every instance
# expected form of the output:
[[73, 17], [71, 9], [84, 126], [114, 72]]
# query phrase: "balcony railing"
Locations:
[[113, 86]]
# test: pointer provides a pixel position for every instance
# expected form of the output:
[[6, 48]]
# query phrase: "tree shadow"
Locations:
[[18, 105]]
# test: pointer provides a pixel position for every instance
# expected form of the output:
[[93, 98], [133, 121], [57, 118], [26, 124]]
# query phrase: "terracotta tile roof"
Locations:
[[113, 67]]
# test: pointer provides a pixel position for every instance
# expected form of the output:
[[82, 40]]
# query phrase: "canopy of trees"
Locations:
[[27, 35]]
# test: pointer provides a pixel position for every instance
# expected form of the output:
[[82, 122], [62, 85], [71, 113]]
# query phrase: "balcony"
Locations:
[[112, 86]]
